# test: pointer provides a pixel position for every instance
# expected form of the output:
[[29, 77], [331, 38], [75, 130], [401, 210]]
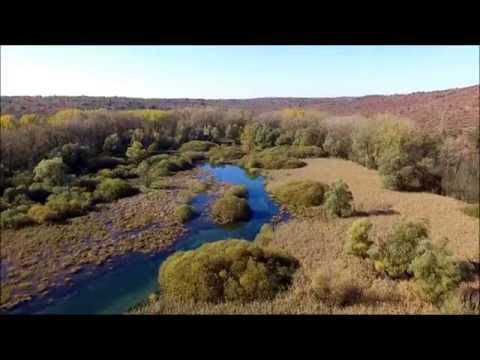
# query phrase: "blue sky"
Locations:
[[235, 71]]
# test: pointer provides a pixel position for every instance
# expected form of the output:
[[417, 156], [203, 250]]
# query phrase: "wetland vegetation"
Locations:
[[370, 203]]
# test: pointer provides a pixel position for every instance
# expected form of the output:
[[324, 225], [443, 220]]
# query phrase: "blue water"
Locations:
[[132, 278]]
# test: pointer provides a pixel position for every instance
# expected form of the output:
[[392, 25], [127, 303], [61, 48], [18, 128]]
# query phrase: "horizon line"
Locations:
[[248, 98]]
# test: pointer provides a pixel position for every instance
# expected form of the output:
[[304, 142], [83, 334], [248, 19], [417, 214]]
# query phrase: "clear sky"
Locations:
[[235, 71]]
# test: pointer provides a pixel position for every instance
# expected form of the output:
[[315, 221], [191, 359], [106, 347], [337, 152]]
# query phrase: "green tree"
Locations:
[[50, 171], [136, 152], [338, 199]]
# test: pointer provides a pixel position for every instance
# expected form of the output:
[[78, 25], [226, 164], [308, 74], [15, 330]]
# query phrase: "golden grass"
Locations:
[[443, 215], [318, 244]]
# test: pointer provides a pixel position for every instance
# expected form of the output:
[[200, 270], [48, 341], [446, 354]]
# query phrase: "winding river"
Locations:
[[132, 278]]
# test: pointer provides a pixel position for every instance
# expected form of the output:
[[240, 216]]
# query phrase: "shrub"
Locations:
[[39, 192], [237, 190], [265, 235], [22, 178], [4, 205], [304, 193], [335, 288], [338, 199], [307, 137], [224, 154], [42, 214], [472, 210], [74, 156], [105, 174], [337, 145], [11, 193], [69, 204], [113, 145], [136, 152], [14, 218], [284, 139], [230, 209], [395, 255], [184, 213], [197, 145], [194, 156], [124, 172], [228, 270], [50, 171], [178, 163], [358, 242], [112, 189], [270, 160], [434, 271]]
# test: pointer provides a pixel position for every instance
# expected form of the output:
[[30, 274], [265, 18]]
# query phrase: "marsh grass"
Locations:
[[319, 245]]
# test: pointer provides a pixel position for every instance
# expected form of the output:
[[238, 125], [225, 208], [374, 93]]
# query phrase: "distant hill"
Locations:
[[455, 108]]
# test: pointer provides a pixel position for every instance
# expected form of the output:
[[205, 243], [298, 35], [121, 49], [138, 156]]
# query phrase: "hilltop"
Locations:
[[456, 108]]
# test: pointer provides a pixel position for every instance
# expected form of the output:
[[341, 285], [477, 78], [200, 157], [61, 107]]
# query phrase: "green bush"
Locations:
[[395, 255], [265, 235], [335, 289], [194, 156], [338, 200], [69, 204], [50, 171], [74, 156], [358, 242], [228, 270], [434, 270], [124, 172], [136, 152], [270, 160], [113, 145], [42, 214], [179, 163], [22, 178], [4, 205], [184, 213], [111, 189], [197, 145], [11, 193], [14, 218], [105, 174], [237, 190], [225, 154], [230, 209], [305, 193]]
